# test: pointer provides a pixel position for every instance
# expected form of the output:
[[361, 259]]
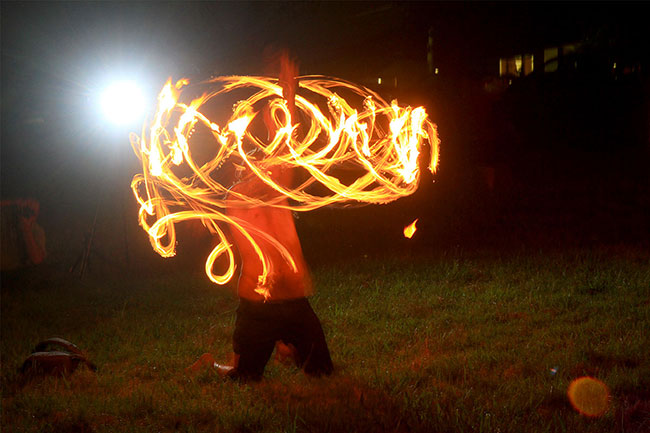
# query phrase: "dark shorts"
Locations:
[[260, 324]]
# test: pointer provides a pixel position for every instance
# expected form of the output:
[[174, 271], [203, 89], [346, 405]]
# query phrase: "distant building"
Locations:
[[605, 62], [550, 59]]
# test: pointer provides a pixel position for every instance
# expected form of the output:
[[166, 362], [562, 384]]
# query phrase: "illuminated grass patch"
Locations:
[[442, 342]]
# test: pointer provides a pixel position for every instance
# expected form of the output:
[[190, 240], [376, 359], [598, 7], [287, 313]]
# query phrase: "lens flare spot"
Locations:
[[589, 396]]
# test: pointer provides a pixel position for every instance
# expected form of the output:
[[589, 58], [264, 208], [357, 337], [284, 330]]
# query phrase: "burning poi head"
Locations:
[[357, 150]]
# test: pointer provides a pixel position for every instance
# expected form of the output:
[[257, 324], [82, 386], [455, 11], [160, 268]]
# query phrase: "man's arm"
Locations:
[[289, 82]]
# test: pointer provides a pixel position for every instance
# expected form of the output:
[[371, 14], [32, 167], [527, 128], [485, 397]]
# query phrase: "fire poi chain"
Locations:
[[378, 144]]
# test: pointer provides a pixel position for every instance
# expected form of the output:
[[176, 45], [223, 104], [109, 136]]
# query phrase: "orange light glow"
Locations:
[[589, 396], [357, 150], [410, 229]]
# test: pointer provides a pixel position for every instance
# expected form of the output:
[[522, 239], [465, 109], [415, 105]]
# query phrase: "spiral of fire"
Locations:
[[363, 153]]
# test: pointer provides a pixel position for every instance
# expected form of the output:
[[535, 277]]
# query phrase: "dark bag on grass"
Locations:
[[54, 357]]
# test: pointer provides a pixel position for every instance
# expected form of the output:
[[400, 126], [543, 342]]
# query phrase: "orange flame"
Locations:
[[410, 229], [378, 144]]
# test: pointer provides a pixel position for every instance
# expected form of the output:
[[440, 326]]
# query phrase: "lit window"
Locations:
[[551, 59], [529, 63], [518, 65], [435, 71], [507, 67], [378, 80]]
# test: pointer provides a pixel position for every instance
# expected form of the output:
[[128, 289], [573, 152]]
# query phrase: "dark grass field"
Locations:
[[452, 340]]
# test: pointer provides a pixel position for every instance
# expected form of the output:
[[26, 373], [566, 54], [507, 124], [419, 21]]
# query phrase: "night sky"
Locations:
[[57, 56]]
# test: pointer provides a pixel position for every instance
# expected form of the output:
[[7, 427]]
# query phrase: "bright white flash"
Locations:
[[122, 102]]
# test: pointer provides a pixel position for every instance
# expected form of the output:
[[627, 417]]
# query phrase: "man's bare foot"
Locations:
[[206, 360], [223, 370]]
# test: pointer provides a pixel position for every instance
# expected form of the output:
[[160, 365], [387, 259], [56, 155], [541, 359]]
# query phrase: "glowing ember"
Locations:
[[589, 396], [410, 229], [343, 156]]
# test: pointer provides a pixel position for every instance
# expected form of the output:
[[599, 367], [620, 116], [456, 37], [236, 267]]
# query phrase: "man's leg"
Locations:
[[253, 341], [306, 334]]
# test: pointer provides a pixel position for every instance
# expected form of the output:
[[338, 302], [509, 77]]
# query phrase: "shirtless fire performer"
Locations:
[[285, 319]]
